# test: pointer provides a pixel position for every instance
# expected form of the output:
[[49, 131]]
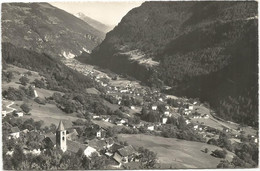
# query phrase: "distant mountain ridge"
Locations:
[[94, 23], [201, 49], [42, 27]]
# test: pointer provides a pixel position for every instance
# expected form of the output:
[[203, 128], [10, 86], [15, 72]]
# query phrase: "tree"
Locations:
[[40, 101], [24, 80], [18, 157], [225, 164], [219, 153], [212, 141], [148, 158], [53, 128], [25, 108], [39, 83]]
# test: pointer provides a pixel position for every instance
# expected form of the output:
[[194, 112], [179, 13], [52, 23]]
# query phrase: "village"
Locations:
[[141, 110]]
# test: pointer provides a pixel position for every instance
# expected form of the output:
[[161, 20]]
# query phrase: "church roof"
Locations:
[[60, 127]]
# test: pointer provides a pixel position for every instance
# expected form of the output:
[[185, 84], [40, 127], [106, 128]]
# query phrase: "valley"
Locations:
[[168, 88]]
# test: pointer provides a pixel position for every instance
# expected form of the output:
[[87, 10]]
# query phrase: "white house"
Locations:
[[164, 120], [151, 128], [123, 91], [167, 113], [15, 133], [89, 151], [206, 116], [160, 99], [190, 107], [95, 117], [132, 107], [167, 107], [196, 127], [154, 107], [19, 114], [187, 121], [100, 133], [10, 153]]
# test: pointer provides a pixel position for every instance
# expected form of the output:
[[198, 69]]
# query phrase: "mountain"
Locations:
[[97, 25], [42, 27], [201, 49]]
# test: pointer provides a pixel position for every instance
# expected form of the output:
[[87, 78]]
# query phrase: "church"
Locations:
[[60, 140]]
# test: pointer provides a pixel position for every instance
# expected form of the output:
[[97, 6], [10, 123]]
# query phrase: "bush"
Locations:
[[24, 80], [29, 73], [39, 83], [219, 153], [40, 101], [25, 108]]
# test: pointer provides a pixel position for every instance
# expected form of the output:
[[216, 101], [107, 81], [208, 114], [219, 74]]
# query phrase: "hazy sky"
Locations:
[[109, 13]]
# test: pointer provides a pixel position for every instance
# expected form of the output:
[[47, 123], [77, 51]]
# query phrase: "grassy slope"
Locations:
[[176, 153]]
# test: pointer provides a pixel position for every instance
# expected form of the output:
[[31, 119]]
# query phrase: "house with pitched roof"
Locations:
[[14, 133], [72, 134], [101, 133], [125, 154]]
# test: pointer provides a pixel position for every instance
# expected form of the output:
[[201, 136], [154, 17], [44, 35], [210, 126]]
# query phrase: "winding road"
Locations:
[[8, 106]]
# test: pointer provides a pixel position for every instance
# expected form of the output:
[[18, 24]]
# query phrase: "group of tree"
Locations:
[[18, 94], [24, 80], [81, 103], [7, 76], [25, 107], [58, 76]]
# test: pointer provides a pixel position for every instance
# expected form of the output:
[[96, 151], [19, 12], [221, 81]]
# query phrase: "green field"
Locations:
[[176, 153]]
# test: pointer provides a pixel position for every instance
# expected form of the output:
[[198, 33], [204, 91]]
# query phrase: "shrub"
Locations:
[[40, 101], [219, 153], [24, 80], [25, 108]]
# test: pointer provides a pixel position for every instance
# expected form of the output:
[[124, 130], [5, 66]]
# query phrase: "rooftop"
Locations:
[[15, 129], [60, 127], [126, 151]]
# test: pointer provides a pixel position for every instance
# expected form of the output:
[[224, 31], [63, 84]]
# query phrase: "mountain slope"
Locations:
[[44, 28], [200, 49], [97, 25], [59, 76]]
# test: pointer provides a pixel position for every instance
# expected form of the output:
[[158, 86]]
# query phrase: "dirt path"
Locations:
[[8, 106]]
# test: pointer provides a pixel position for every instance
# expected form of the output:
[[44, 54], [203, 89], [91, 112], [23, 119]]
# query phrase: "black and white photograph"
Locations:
[[129, 85]]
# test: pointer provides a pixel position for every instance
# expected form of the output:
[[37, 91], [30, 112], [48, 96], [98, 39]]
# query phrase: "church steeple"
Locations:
[[60, 127], [61, 137]]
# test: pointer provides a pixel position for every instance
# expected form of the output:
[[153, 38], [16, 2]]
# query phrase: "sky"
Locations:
[[109, 13]]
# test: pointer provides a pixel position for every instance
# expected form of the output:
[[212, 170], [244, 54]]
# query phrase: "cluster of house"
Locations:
[[65, 140]]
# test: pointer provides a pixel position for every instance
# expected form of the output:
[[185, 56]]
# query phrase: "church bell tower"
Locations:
[[61, 137]]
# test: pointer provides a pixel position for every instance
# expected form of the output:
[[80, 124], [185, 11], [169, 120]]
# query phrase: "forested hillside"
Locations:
[[42, 27], [58, 76], [201, 49]]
